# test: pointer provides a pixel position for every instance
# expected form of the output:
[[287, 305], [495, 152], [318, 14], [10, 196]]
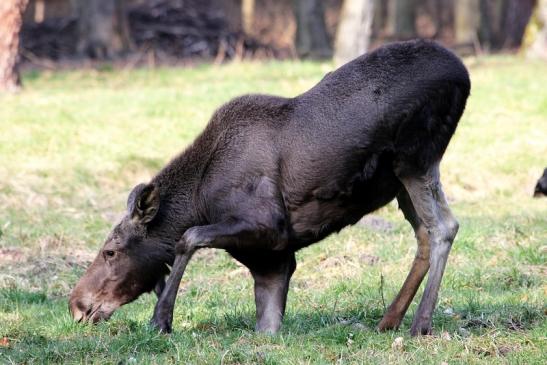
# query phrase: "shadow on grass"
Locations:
[[472, 316]]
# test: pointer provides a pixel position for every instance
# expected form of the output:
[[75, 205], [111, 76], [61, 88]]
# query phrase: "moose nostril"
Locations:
[[88, 311], [75, 311], [80, 311], [81, 306]]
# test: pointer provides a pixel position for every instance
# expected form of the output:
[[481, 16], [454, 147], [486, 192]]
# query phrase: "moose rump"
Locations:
[[384, 116]]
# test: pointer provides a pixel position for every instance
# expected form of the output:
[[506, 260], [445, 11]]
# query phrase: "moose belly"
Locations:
[[322, 215]]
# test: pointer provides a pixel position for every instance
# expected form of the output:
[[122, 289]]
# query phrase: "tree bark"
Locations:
[[538, 48], [247, 15], [11, 13], [518, 15], [467, 21], [103, 29], [503, 22], [312, 40], [353, 34], [401, 19]]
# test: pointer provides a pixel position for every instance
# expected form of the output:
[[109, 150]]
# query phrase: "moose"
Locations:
[[541, 186], [271, 175]]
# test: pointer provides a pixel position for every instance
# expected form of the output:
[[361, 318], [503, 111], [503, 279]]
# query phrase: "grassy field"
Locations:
[[74, 143]]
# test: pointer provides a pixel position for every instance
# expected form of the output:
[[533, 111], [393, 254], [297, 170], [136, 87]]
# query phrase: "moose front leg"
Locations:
[[218, 235], [163, 312]]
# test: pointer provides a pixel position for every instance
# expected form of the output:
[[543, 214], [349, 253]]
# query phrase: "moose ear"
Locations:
[[143, 203]]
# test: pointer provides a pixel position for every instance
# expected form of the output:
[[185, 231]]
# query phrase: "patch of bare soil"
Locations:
[[50, 271], [376, 223], [11, 255]]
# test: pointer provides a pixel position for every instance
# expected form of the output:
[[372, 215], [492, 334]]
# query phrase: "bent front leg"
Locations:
[[163, 311], [271, 288], [219, 235]]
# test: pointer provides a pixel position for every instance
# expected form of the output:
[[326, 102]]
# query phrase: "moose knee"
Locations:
[[450, 230], [441, 237], [189, 240]]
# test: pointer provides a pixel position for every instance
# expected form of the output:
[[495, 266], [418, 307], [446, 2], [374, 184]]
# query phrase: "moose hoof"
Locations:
[[420, 328], [161, 324], [267, 330], [388, 323]]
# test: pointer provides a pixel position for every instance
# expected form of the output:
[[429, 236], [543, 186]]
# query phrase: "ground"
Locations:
[[74, 143]]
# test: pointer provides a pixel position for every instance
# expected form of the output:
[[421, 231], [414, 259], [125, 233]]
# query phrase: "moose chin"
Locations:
[[271, 175]]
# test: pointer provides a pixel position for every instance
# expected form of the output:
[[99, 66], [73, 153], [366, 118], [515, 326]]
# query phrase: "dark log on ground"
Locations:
[[170, 30]]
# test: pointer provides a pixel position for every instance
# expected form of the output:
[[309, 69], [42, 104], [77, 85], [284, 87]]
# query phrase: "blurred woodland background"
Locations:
[[57, 33]]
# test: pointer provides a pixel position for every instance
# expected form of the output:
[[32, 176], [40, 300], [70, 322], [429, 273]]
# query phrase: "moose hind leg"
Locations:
[[160, 285], [431, 207], [396, 311], [271, 288]]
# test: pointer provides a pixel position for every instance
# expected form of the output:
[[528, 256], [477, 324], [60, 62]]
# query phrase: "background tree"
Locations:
[[537, 32], [443, 16], [503, 22], [466, 26], [312, 40], [11, 13], [491, 32], [401, 19], [354, 30], [103, 30], [247, 15], [517, 16]]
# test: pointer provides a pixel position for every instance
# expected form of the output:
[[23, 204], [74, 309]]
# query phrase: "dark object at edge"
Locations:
[[541, 186]]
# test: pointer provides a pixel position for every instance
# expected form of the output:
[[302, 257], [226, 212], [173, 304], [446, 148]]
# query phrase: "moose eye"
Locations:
[[109, 254]]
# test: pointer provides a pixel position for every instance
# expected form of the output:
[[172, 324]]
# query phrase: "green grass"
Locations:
[[74, 143]]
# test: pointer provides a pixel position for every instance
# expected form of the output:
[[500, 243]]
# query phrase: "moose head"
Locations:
[[133, 260]]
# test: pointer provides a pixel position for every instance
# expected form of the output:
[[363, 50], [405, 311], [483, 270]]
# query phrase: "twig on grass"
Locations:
[[382, 291]]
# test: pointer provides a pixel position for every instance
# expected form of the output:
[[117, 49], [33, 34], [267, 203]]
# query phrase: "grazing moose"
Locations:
[[271, 175]]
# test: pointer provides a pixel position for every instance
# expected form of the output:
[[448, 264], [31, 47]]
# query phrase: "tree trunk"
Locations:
[[247, 15], [518, 15], [538, 47], [491, 21], [353, 35], [467, 21], [379, 19], [401, 22], [312, 40], [103, 30], [503, 22], [11, 13]]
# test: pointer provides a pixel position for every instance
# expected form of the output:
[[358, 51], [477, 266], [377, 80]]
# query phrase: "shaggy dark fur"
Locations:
[[541, 186], [271, 175]]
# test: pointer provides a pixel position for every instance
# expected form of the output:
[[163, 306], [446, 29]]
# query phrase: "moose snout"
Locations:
[[80, 310], [87, 312]]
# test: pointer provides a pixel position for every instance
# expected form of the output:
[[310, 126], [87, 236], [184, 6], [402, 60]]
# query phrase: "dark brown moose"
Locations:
[[541, 186], [271, 175]]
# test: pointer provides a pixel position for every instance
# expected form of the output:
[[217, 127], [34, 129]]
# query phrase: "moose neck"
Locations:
[[178, 183]]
